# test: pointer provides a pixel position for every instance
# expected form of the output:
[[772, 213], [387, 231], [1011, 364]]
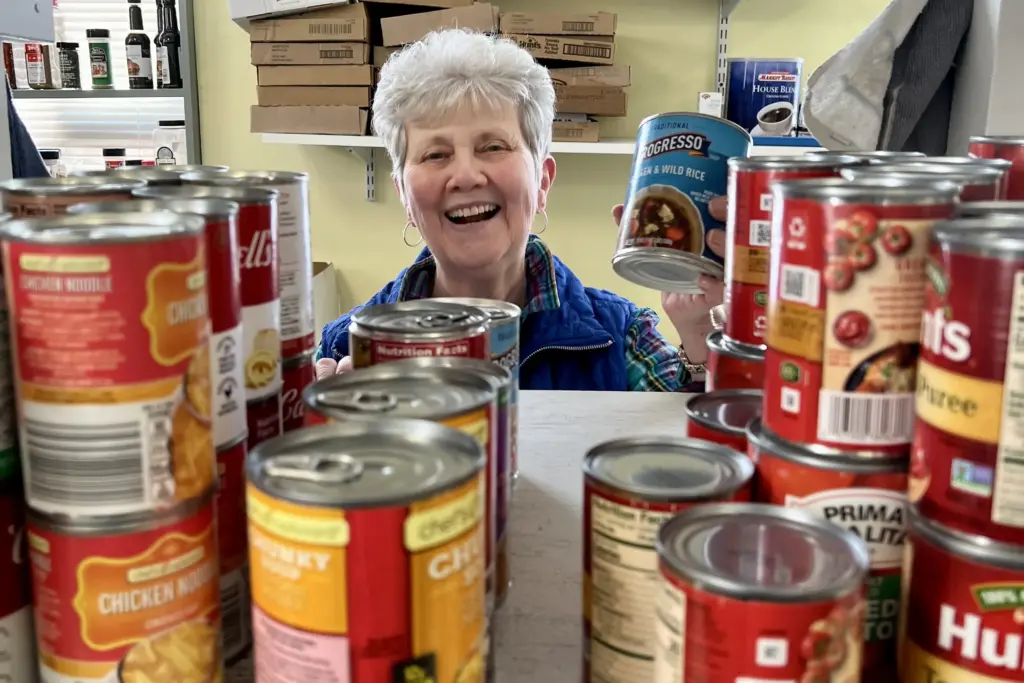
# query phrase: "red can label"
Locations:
[[843, 324], [298, 374], [746, 319], [726, 371], [232, 530], [368, 351], [226, 321], [17, 636], [264, 419], [966, 470], [295, 260], [696, 430], [1011, 152], [261, 302]]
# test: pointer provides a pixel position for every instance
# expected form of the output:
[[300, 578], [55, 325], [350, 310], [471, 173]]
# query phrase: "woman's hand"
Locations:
[[325, 367]]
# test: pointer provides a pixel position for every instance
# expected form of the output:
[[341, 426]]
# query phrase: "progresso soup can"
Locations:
[[667, 237], [762, 95]]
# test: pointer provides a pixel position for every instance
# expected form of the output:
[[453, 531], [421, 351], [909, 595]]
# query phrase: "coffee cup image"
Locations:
[[776, 118]]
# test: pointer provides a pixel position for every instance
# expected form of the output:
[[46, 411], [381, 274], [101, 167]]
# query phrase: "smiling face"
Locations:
[[472, 189]]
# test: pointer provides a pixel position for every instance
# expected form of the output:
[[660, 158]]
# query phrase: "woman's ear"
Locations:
[[547, 177]]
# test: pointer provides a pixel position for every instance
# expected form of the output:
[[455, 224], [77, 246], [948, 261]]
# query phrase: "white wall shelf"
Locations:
[[25, 94]]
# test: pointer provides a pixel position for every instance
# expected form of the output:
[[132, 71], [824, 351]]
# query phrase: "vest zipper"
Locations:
[[593, 347]]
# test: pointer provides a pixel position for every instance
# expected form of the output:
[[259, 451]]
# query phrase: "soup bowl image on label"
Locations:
[[722, 416], [366, 550]]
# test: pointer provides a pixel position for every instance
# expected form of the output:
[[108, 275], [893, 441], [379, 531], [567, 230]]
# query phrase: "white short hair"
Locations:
[[454, 67]]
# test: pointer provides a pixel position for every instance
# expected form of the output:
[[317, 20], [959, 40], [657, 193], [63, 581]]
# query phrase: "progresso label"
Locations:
[[763, 95]]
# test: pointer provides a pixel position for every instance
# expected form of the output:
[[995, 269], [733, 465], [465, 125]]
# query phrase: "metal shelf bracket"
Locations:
[[725, 8], [368, 155]]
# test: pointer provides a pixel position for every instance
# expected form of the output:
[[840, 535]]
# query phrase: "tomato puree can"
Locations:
[[965, 470], [49, 197], [794, 582], [722, 416], [366, 544], [111, 359], [749, 231], [17, 635], [232, 529], [847, 288], [978, 179], [1008, 147], [298, 373], [867, 496], [963, 607], [732, 365], [667, 237], [631, 486], [129, 597], [417, 329]]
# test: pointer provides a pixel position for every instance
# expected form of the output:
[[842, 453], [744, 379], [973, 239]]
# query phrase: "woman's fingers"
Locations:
[[344, 365], [617, 213], [325, 367], [713, 288], [719, 208]]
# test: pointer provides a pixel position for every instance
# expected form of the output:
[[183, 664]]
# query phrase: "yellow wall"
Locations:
[[669, 43]]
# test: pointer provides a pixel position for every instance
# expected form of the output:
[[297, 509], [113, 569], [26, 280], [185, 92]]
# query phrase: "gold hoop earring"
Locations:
[[545, 227], [405, 234]]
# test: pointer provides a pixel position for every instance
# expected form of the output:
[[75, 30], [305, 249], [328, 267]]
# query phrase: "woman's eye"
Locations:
[[433, 156], [495, 147]]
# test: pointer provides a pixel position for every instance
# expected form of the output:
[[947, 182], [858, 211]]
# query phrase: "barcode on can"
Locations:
[[800, 284], [760, 233], [234, 606], [766, 202], [882, 420]]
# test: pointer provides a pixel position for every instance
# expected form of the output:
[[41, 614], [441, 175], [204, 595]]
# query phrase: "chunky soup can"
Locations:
[[630, 487], [1009, 147], [667, 237], [733, 365], [845, 300], [417, 329], [49, 197], [366, 544], [722, 416]]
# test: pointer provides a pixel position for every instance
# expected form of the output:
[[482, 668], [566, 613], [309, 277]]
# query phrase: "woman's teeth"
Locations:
[[472, 214]]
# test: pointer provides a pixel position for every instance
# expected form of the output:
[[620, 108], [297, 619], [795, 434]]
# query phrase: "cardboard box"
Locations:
[[381, 54], [242, 10], [316, 75], [616, 76], [322, 120], [597, 50], [409, 28], [575, 131], [342, 23], [310, 53], [286, 96], [559, 23], [599, 100]]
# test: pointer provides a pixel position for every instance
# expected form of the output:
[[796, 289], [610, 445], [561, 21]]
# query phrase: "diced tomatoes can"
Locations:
[[366, 543], [232, 531], [722, 416], [795, 582], [17, 635], [127, 598], [1009, 147], [963, 607], [667, 236], [852, 158], [732, 365], [50, 197], [846, 294], [749, 231], [630, 487], [299, 373], [965, 464], [417, 329], [867, 496], [978, 179], [111, 358]]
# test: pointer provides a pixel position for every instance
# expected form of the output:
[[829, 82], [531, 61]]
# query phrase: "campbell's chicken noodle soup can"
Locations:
[[220, 231], [630, 487], [965, 467], [978, 181], [733, 365], [128, 597], [111, 359], [749, 234], [299, 373], [794, 582], [867, 496], [17, 635], [232, 530], [417, 329], [366, 543], [963, 607], [722, 416], [1008, 147], [847, 289], [48, 197]]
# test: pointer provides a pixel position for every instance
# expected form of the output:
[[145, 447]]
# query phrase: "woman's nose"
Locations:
[[467, 172]]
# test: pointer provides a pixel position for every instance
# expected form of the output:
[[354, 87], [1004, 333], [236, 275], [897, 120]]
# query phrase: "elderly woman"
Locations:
[[466, 119]]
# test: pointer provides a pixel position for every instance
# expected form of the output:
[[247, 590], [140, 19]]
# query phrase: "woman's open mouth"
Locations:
[[472, 214]]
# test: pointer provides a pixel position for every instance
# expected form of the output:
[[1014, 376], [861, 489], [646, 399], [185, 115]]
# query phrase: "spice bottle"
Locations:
[[168, 46], [113, 157], [70, 73], [51, 158], [137, 48], [9, 66], [99, 58], [40, 66]]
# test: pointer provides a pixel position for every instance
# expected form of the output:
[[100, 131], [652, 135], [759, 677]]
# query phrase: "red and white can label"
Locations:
[[261, 303], [264, 419], [228, 386], [295, 261], [298, 374]]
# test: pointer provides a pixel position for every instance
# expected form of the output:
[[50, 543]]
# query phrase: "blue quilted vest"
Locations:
[[578, 347]]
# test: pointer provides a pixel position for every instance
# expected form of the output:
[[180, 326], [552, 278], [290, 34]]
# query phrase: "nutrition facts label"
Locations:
[[1008, 493], [670, 621]]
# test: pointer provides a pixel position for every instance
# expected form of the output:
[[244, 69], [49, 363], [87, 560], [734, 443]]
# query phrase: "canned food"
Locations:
[[294, 253], [417, 329], [367, 548], [112, 363], [793, 581], [299, 373], [48, 197], [867, 496], [1008, 147], [962, 614], [853, 158], [220, 230], [979, 209], [666, 233], [153, 176], [196, 168], [762, 95], [263, 419], [127, 598], [232, 528], [631, 486], [722, 416], [732, 365], [965, 470], [749, 231], [844, 319], [17, 646], [977, 181]]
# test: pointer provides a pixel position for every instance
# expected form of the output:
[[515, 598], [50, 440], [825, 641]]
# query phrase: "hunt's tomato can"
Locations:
[[963, 607], [965, 472], [366, 542], [232, 529], [18, 635], [417, 329], [978, 179], [753, 592], [1009, 147], [732, 365], [748, 236], [722, 416], [299, 373], [847, 288], [631, 486], [867, 496]]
